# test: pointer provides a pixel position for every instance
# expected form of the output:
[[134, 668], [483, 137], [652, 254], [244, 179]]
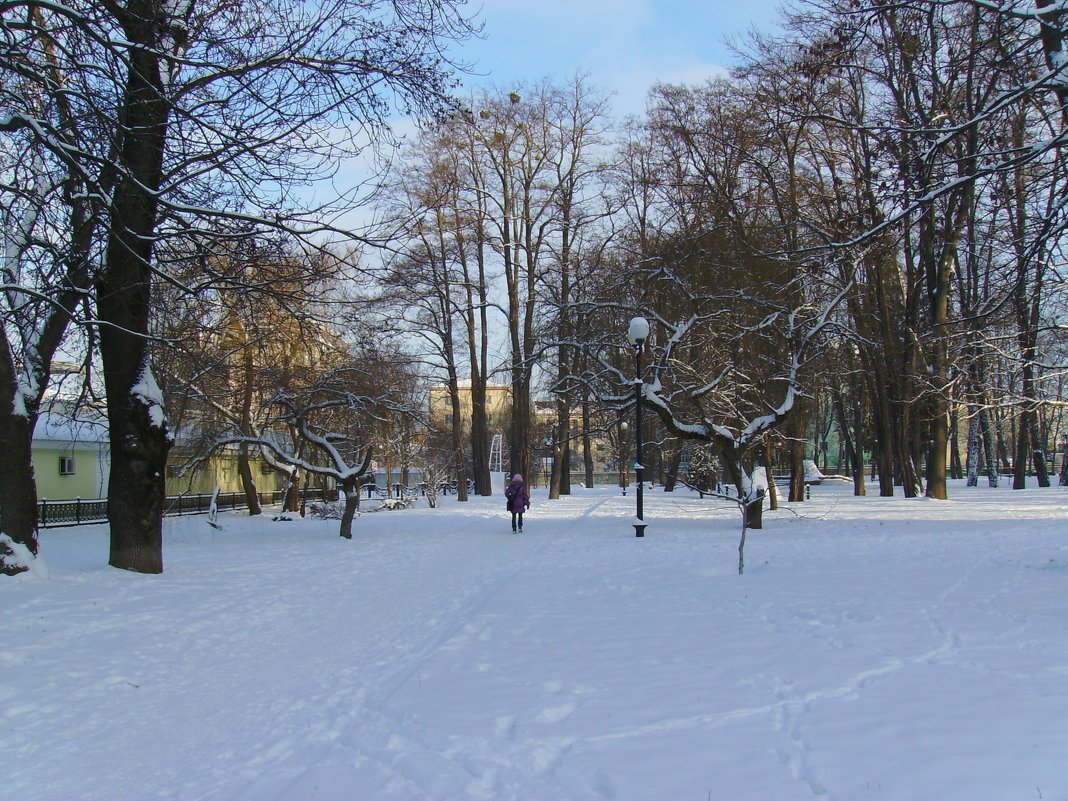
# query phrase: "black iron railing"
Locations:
[[54, 514]]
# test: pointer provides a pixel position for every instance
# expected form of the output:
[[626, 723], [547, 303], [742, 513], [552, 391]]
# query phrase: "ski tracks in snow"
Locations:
[[398, 751], [368, 748]]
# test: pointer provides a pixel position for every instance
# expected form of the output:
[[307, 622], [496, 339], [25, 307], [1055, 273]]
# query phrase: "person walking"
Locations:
[[518, 501]]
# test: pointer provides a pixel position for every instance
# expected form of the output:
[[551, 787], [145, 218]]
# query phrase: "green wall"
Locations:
[[85, 483]]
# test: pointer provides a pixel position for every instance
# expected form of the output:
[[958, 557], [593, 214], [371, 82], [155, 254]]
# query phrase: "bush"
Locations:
[[327, 510]]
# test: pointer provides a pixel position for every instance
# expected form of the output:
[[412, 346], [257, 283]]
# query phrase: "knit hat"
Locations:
[[517, 477]]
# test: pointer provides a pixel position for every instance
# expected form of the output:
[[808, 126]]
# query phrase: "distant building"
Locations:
[[187, 477], [498, 406], [71, 458]]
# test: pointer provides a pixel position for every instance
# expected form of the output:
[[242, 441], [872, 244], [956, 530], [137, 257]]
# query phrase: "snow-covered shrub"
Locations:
[[327, 510], [702, 474]]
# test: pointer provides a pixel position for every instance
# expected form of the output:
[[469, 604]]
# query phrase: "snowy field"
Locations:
[[877, 648]]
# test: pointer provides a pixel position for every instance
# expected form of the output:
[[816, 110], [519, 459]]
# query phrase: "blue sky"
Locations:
[[624, 45]]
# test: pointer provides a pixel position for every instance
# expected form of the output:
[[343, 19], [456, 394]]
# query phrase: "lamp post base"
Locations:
[[639, 529]]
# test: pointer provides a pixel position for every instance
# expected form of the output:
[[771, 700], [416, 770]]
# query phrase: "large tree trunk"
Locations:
[[457, 437], [974, 445], [248, 481], [18, 490], [519, 454], [851, 441], [906, 445], [1038, 452], [956, 467], [674, 461], [565, 475], [884, 437], [937, 453], [940, 272], [291, 498], [352, 502], [478, 355], [21, 405], [797, 453], [986, 429], [1062, 481], [560, 478], [139, 445], [480, 438], [587, 445], [22, 386], [769, 469], [1023, 452], [138, 430]]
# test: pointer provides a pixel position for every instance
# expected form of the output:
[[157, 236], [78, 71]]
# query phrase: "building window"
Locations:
[[66, 465]]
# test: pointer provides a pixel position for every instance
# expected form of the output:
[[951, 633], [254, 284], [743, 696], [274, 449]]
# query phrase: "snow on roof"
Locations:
[[58, 428]]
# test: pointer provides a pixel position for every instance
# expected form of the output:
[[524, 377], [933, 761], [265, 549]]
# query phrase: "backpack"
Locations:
[[510, 493]]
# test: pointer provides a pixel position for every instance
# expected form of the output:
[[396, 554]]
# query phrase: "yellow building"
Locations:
[[184, 478], [71, 458], [498, 406]]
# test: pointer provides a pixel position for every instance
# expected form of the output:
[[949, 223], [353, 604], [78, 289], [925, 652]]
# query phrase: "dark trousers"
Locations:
[[517, 515]]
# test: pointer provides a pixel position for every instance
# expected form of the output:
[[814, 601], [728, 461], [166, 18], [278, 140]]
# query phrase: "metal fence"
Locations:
[[55, 514]]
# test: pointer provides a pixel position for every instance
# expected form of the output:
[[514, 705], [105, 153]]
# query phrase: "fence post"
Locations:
[[78, 510], [44, 512]]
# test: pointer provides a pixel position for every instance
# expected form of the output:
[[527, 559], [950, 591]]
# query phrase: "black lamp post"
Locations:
[[638, 335]]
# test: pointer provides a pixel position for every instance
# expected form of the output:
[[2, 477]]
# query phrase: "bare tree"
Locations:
[[327, 425], [270, 309], [207, 110]]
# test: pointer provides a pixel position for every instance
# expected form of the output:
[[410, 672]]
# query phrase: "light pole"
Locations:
[[638, 335]]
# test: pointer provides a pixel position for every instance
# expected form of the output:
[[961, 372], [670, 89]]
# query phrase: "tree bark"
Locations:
[[1023, 452], [352, 501], [974, 445], [884, 436], [248, 481], [1062, 481], [291, 502], [769, 465], [456, 437], [986, 430], [138, 431], [674, 461], [956, 469], [797, 453], [18, 490], [587, 445]]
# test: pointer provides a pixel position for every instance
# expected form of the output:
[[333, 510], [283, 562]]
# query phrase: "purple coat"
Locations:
[[518, 500]]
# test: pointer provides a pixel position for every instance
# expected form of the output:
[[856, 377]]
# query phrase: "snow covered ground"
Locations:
[[877, 648]]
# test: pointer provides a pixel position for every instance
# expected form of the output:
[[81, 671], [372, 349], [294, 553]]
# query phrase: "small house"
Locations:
[[71, 458]]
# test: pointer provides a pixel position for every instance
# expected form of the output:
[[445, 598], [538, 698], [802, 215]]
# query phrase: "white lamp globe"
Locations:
[[638, 331]]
